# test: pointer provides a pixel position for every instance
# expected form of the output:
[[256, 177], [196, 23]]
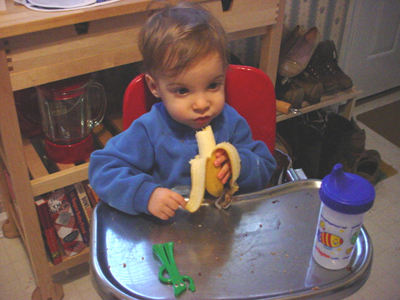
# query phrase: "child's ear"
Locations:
[[151, 83]]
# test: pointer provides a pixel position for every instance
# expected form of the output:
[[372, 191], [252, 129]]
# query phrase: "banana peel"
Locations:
[[205, 175]]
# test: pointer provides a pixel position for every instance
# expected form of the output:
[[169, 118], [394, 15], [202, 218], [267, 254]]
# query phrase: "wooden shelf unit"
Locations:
[[349, 97], [41, 47]]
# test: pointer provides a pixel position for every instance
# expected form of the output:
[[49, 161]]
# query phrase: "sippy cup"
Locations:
[[345, 199]]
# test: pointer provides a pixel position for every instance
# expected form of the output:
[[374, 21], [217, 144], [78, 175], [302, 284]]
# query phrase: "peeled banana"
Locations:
[[204, 173]]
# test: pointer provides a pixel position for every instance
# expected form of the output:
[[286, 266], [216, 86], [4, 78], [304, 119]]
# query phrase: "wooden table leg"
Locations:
[[27, 217], [10, 229]]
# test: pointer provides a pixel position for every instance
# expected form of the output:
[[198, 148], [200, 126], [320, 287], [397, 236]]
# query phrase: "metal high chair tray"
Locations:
[[259, 248]]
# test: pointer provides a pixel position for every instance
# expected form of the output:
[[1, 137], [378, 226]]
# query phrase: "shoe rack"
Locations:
[[347, 98], [41, 47]]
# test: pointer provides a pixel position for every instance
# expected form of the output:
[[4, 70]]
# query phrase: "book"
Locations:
[[48, 230], [83, 197], [65, 223], [94, 199], [79, 213]]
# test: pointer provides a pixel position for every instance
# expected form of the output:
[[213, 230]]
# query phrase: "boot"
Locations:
[[288, 90], [329, 54], [308, 142], [317, 69], [354, 148], [336, 139], [312, 88], [285, 129], [357, 140]]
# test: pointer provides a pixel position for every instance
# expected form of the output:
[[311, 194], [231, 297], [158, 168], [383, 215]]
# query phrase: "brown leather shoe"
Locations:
[[288, 42], [329, 54], [312, 88], [300, 54], [317, 69], [368, 165], [289, 91]]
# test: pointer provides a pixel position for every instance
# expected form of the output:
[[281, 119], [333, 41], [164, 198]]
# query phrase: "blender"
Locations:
[[67, 108]]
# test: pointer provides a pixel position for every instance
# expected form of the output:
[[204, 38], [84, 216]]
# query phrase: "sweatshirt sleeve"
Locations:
[[119, 172], [257, 162]]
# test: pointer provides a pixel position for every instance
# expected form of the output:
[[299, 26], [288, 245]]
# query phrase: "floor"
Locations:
[[382, 222]]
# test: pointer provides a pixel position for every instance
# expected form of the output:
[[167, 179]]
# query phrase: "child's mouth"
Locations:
[[202, 120]]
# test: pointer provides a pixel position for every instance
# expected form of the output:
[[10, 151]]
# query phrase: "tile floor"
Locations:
[[382, 223]]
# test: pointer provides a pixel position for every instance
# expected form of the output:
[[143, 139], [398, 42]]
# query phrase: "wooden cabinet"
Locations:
[[41, 47]]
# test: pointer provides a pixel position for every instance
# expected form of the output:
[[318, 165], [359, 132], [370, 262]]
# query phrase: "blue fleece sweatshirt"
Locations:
[[155, 152]]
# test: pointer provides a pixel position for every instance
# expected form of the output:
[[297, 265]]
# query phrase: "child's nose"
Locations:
[[201, 102]]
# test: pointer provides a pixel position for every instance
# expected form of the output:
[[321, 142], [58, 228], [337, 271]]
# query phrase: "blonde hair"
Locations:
[[176, 36]]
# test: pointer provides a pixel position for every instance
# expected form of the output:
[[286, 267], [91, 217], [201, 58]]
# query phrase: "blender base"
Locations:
[[69, 154]]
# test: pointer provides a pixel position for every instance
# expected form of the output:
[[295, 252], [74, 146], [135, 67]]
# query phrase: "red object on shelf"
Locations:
[[69, 154], [49, 231], [70, 109]]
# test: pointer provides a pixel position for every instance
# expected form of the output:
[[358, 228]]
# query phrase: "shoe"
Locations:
[[285, 129], [317, 119], [318, 70], [308, 143], [312, 88], [300, 54], [337, 134], [329, 54], [289, 91], [356, 143], [368, 165], [354, 147], [288, 42]]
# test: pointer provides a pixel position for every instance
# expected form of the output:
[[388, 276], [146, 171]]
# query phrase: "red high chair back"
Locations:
[[247, 89]]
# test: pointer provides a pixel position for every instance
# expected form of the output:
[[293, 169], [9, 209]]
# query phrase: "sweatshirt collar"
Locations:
[[170, 121]]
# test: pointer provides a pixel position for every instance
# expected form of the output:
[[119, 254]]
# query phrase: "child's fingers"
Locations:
[[178, 201], [163, 203], [225, 177], [221, 157], [225, 173], [168, 211], [162, 216]]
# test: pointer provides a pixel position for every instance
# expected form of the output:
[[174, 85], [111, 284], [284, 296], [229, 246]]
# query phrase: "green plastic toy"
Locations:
[[165, 253]]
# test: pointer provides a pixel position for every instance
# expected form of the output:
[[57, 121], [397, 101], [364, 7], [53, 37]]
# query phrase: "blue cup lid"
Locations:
[[346, 192]]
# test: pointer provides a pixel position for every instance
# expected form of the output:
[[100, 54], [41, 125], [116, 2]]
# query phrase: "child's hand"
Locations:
[[163, 203], [223, 160]]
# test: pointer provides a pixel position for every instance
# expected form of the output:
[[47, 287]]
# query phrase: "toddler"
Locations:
[[184, 52]]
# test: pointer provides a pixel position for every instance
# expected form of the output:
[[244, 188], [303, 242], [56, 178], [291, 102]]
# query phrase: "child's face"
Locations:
[[195, 96]]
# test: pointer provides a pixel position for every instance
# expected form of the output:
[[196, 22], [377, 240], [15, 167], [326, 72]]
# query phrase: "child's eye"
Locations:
[[182, 91], [214, 85]]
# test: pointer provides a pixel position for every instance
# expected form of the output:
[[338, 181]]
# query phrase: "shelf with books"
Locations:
[[69, 262], [61, 225], [68, 184], [78, 244]]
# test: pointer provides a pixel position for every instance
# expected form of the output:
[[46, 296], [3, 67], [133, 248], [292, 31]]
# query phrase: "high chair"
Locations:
[[247, 89], [223, 254]]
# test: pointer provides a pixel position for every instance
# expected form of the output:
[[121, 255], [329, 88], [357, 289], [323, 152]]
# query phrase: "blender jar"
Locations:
[[66, 109]]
